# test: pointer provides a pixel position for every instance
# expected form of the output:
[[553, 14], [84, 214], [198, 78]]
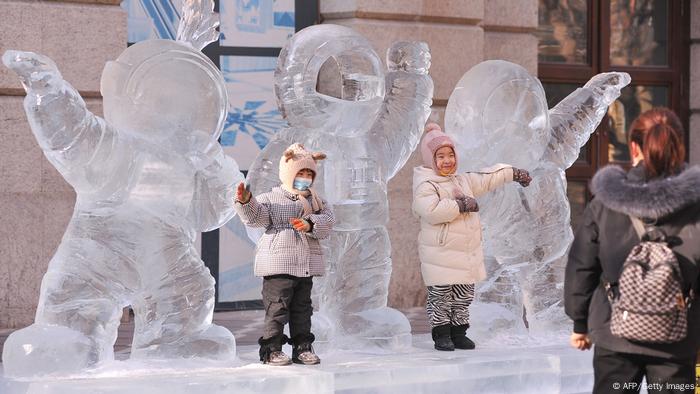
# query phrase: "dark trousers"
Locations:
[[622, 373], [287, 299]]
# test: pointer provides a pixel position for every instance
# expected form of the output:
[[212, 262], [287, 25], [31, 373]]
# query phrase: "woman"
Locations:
[[659, 189]]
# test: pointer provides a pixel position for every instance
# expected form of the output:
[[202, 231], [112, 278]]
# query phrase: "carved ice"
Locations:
[[148, 177], [498, 113], [368, 123]]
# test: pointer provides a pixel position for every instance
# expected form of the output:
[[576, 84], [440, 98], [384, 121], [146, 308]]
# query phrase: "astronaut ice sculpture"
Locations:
[[148, 177], [498, 113], [368, 136]]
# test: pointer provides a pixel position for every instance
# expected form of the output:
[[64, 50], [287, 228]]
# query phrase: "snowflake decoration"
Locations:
[[259, 125]]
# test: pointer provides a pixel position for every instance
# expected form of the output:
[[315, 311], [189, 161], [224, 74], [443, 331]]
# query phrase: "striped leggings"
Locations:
[[449, 304]]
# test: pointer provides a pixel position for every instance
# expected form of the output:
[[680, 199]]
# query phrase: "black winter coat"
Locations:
[[606, 236]]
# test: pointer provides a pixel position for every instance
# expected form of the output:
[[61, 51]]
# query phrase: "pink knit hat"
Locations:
[[434, 139]]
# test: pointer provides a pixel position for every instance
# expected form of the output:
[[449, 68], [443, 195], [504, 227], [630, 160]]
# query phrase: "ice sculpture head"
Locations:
[[168, 93], [354, 68], [494, 100]]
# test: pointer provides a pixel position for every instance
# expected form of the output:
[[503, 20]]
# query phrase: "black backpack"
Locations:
[[651, 305]]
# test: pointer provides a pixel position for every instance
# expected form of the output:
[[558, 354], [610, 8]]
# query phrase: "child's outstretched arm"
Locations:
[[494, 177], [428, 205], [321, 223], [252, 212]]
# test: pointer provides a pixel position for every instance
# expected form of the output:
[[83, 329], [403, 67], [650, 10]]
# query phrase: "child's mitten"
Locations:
[[522, 177], [467, 204]]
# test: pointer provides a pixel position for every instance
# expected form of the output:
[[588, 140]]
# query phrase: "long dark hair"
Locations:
[[658, 132]]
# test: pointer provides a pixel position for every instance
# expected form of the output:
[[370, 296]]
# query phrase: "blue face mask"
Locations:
[[302, 183]]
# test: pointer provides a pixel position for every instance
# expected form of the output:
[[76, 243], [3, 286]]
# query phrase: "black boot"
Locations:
[[271, 350], [459, 337], [302, 351], [441, 337]]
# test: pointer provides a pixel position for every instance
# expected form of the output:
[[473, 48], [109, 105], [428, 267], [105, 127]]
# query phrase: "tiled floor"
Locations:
[[245, 325]]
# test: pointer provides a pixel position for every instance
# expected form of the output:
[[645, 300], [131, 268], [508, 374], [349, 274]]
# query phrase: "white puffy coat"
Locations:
[[449, 242]]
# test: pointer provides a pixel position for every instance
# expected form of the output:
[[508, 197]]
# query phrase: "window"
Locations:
[[649, 39]]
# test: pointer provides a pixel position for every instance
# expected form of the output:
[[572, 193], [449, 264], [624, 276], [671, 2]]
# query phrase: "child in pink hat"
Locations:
[[449, 242]]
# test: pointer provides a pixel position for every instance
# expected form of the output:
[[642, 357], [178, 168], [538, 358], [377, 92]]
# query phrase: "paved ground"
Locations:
[[245, 325]]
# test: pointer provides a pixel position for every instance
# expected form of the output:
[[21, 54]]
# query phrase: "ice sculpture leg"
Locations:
[[501, 297], [356, 289], [543, 295], [173, 317], [78, 313]]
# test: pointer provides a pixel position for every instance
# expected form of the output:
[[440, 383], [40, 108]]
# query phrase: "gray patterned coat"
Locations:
[[282, 249]]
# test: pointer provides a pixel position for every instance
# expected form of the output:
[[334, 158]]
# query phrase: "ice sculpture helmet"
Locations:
[[361, 79], [493, 99], [148, 76]]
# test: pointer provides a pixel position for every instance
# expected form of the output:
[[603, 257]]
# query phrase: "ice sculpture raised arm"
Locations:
[[82, 147], [576, 117], [409, 90], [214, 192], [498, 114], [331, 88], [148, 177]]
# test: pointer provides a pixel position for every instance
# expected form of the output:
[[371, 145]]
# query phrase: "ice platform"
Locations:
[[551, 367]]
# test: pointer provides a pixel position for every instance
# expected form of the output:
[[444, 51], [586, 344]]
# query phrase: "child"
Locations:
[[449, 242], [288, 255]]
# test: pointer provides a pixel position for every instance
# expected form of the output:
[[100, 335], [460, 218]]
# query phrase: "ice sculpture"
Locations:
[[148, 177], [498, 113], [368, 136]]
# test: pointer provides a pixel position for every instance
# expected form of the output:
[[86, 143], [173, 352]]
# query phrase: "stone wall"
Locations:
[[694, 143], [35, 202], [460, 33]]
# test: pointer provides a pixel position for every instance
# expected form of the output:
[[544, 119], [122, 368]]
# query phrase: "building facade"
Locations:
[[563, 42]]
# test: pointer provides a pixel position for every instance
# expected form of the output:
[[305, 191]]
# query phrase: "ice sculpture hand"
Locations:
[[368, 123], [37, 72], [147, 179], [526, 230]]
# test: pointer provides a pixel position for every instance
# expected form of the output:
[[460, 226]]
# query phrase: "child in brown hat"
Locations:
[[289, 254]]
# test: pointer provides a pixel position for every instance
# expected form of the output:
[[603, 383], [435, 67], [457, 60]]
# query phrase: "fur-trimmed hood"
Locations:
[[631, 194]]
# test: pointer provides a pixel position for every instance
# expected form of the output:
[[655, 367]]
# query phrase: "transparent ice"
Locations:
[[549, 366], [498, 113], [332, 89], [148, 178]]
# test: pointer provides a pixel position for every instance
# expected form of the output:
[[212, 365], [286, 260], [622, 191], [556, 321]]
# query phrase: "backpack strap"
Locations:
[[638, 226]]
